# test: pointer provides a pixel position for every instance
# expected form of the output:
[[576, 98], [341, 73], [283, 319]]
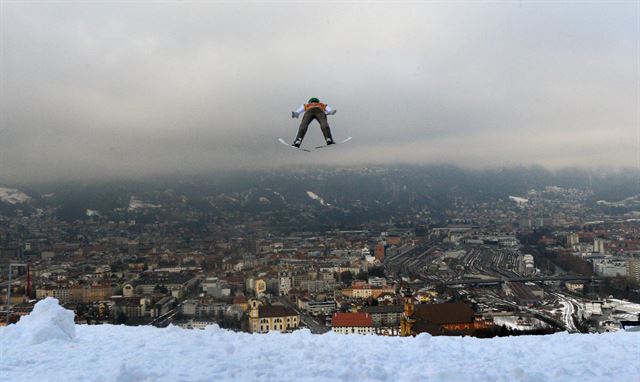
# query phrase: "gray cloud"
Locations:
[[132, 89]]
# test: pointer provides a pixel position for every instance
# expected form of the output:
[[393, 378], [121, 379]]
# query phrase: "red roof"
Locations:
[[359, 319]]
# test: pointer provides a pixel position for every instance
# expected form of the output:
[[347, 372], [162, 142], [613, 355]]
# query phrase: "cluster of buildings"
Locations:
[[196, 270], [612, 249]]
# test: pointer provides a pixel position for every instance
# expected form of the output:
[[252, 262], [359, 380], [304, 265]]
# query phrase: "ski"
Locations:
[[337, 143], [291, 146]]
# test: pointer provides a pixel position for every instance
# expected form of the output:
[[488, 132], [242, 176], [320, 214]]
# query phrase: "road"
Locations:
[[167, 318], [305, 319]]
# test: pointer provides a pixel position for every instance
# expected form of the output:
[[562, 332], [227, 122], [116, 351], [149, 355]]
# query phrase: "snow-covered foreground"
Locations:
[[47, 347]]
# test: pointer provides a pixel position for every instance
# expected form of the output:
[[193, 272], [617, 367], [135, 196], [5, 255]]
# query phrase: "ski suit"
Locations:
[[317, 111]]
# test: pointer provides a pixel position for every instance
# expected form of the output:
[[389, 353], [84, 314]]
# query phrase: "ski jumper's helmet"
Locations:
[[314, 100]]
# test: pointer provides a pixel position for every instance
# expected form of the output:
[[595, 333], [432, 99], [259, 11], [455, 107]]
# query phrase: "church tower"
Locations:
[[407, 320], [254, 316]]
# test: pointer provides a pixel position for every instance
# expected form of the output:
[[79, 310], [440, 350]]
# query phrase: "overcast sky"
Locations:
[[113, 89]]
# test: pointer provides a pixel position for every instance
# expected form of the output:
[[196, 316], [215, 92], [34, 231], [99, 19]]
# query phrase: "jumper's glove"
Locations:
[[294, 114], [332, 112]]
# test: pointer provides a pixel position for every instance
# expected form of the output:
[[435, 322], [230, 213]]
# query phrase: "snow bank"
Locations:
[[121, 353], [48, 321]]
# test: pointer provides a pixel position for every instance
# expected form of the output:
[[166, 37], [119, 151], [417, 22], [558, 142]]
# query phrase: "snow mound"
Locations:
[[48, 321], [144, 353]]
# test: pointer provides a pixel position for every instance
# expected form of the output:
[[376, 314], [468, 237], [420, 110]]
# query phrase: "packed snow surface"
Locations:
[[13, 196], [121, 353]]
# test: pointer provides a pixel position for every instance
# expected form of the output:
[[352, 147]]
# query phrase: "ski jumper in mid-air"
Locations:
[[317, 110]]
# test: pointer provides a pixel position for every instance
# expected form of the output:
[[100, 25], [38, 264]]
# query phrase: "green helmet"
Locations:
[[313, 100]]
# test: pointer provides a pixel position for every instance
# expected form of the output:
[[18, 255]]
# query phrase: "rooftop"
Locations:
[[359, 319], [266, 311], [447, 313]]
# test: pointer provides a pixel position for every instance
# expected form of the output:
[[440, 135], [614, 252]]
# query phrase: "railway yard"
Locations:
[[497, 280]]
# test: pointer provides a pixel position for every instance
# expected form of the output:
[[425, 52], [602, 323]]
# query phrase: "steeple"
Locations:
[[407, 320]]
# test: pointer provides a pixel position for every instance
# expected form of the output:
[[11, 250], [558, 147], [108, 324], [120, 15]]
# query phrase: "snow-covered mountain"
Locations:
[[47, 346], [13, 196], [630, 201], [90, 212], [519, 200], [315, 196], [136, 204]]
